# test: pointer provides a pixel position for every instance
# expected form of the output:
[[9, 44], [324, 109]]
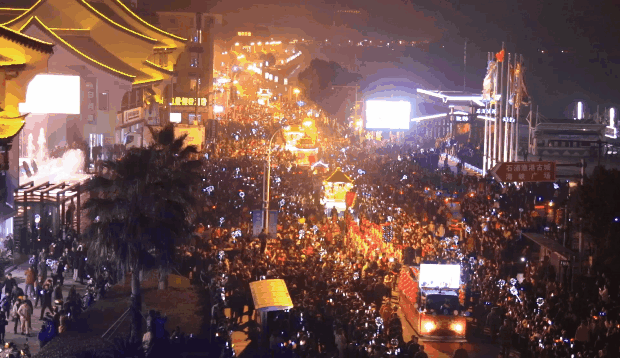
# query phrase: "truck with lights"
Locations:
[[432, 300]]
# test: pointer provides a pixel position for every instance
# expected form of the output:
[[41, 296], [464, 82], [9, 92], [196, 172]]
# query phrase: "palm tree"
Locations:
[[179, 175], [140, 206]]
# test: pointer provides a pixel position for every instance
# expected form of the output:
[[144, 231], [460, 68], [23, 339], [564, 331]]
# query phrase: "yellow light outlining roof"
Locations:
[[165, 47], [115, 23], [164, 69], [66, 29], [24, 14], [80, 52], [148, 81], [26, 36], [119, 2], [10, 126], [11, 9]]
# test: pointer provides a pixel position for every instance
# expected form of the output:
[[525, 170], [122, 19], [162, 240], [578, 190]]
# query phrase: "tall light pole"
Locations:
[[267, 183]]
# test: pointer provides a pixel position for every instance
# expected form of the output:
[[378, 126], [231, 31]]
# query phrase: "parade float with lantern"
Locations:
[[336, 189], [301, 140]]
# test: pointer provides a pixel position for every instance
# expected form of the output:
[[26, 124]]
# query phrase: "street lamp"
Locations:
[[297, 92], [267, 185]]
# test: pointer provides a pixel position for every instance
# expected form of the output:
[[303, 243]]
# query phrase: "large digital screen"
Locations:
[[52, 94], [440, 276], [388, 115]]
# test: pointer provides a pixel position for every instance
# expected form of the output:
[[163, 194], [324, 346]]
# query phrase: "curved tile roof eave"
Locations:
[[113, 23], [27, 12], [159, 68], [141, 20], [26, 40], [37, 22]]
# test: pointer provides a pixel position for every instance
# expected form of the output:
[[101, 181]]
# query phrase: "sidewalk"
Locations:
[[19, 274]]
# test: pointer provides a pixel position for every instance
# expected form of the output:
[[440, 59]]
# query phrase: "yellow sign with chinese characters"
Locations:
[[189, 101]]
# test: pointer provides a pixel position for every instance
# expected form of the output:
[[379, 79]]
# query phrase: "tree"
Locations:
[[140, 206]]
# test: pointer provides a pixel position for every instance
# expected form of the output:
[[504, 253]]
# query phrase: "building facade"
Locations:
[[122, 63], [22, 58], [190, 97]]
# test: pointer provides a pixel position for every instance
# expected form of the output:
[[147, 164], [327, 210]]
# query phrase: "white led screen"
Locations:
[[52, 94], [440, 276], [175, 117], [388, 115]]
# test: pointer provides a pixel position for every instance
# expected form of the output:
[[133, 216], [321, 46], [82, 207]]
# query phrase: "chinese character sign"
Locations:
[[524, 171], [189, 101], [89, 100]]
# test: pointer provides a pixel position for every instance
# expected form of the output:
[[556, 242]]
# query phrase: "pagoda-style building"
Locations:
[[125, 65], [91, 73]]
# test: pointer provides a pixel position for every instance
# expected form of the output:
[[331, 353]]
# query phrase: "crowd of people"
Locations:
[[341, 269], [440, 216]]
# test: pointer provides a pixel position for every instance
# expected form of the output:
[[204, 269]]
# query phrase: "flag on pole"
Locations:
[[488, 85], [512, 75], [500, 55], [520, 95]]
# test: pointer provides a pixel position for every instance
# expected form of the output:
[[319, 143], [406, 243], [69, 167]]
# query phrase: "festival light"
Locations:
[[429, 326]]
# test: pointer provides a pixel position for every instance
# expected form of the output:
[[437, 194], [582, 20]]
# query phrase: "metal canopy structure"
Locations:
[[58, 195]]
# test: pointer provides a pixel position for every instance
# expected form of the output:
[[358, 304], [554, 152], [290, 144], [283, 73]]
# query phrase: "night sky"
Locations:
[[556, 80]]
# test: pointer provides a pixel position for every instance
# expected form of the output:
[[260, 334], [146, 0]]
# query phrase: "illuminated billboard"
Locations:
[[388, 115], [440, 276], [52, 94]]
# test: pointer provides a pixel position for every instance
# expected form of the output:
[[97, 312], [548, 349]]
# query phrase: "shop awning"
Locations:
[[270, 295]]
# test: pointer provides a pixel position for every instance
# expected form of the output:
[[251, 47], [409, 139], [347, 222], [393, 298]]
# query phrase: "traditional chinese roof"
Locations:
[[154, 28], [23, 14], [338, 177], [10, 126], [84, 46], [106, 13], [26, 40], [92, 49], [7, 61], [8, 14]]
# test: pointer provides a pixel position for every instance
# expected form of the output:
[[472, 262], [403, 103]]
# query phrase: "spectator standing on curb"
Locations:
[[421, 353], [9, 284], [505, 336], [30, 280], [25, 315], [37, 291], [42, 266], [46, 300], [3, 324], [15, 314], [460, 352]]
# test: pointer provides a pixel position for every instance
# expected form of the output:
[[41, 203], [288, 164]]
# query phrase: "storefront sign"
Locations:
[[89, 101], [132, 115], [485, 111], [189, 101]]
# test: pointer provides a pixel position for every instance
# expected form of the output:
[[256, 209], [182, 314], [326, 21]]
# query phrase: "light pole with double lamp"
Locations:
[[267, 183]]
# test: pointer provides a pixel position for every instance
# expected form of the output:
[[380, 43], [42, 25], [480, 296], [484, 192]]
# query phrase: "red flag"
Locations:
[[500, 56], [350, 198]]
